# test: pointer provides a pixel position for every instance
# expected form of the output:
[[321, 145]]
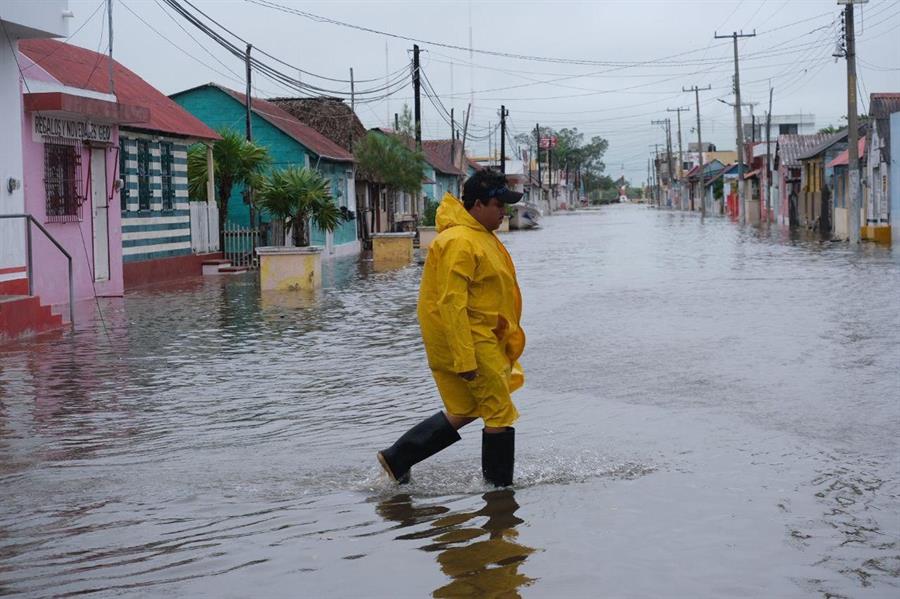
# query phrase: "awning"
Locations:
[[70, 105]]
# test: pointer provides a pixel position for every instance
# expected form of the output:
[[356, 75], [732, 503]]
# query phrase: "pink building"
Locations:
[[69, 149], [59, 167]]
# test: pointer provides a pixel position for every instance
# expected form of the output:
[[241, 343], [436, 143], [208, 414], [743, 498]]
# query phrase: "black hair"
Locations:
[[478, 185]]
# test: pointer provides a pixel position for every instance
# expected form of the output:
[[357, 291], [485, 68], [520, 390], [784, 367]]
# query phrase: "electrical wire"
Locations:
[[318, 18], [273, 73], [177, 47], [72, 35], [323, 77]]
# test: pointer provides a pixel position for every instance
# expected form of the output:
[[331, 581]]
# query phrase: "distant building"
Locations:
[[781, 124], [157, 238], [883, 203]]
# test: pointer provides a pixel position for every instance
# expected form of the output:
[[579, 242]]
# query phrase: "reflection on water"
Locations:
[[697, 393], [483, 559]]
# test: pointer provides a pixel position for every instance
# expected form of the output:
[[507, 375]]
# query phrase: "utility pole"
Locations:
[[768, 160], [464, 137], [452, 137], [667, 123], [352, 109], [417, 105], [656, 172], [550, 194], [352, 92], [503, 114], [537, 145], [741, 150], [248, 99], [247, 95], [853, 206], [702, 197], [112, 81], [679, 110]]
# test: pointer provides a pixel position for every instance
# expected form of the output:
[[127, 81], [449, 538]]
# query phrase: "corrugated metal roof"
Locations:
[[438, 153], [85, 69], [881, 106], [291, 126], [791, 146], [829, 141], [843, 158]]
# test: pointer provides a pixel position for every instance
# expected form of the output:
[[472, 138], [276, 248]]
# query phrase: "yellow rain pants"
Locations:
[[469, 311]]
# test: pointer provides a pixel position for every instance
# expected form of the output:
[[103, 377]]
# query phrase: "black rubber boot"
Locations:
[[498, 451], [418, 443]]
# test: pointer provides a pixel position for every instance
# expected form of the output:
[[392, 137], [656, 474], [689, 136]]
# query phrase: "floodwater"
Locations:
[[710, 411]]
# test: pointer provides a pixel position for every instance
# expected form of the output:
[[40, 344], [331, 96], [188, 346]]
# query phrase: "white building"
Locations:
[[22, 19], [781, 124]]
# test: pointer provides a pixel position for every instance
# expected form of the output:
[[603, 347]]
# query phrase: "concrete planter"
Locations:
[[426, 236], [392, 250], [289, 268]]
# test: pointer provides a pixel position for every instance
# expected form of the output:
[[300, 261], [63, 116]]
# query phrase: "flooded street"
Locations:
[[710, 411]]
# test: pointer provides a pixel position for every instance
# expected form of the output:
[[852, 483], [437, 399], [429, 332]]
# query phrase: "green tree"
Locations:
[[583, 157], [297, 195], [236, 161], [385, 159]]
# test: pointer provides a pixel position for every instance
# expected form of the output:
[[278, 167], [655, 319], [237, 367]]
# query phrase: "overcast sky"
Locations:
[[616, 65]]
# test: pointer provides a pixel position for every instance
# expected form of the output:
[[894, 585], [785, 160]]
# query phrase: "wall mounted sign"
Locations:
[[59, 127]]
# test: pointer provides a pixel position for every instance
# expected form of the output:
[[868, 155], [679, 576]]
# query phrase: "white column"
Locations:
[[12, 232]]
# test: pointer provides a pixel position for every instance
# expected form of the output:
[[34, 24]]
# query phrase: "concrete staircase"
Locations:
[[221, 266], [24, 316]]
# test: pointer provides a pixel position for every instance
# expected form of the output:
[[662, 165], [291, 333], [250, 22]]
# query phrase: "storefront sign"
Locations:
[[51, 126]]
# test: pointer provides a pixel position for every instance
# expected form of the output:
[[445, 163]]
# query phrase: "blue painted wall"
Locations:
[[219, 110]]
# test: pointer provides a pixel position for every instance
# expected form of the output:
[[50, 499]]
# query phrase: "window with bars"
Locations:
[[166, 165], [123, 170], [62, 182], [143, 164]]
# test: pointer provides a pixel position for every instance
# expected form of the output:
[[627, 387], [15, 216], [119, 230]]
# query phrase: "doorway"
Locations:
[[100, 203]]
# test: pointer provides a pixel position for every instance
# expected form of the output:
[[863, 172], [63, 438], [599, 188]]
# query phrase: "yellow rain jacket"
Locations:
[[469, 311]]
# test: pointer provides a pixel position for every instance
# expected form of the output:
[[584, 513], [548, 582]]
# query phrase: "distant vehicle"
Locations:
[[524, 217]]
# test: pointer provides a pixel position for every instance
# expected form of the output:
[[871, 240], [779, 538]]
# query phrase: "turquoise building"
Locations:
[[290, 143], [442, 173]]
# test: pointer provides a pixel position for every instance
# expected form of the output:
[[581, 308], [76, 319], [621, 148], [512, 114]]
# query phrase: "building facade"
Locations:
[[22, 19], [289, 143], [150, 164]]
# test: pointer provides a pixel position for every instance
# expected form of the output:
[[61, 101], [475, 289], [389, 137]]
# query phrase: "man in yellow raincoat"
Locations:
[[469, 311]]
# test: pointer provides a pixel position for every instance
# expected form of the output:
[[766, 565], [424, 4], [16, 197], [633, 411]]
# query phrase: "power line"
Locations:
[[179, 48], [318, 18], [72, 35], [269, 71]]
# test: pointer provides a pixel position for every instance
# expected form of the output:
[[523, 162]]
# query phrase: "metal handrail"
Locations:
[[29, 219]]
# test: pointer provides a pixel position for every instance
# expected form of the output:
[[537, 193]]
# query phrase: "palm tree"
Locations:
[[236, 161], [298, 195], [384, 159]]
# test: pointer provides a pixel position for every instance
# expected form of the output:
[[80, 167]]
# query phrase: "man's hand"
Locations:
[[468, 376]]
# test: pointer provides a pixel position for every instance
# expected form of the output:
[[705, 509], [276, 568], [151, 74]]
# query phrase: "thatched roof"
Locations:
[[329, 116]]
